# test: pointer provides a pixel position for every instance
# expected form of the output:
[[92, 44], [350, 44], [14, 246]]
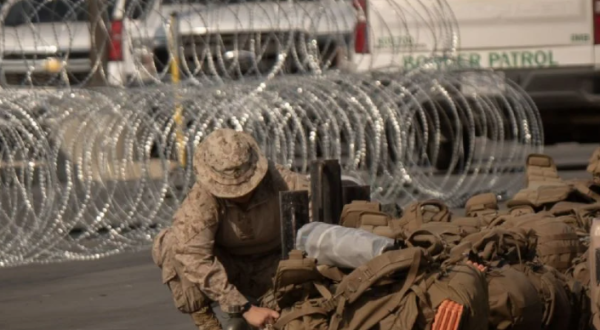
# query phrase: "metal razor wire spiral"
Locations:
[[90, 172]]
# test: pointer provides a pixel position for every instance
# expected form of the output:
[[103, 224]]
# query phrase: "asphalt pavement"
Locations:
[[125, 292], [122, 292]]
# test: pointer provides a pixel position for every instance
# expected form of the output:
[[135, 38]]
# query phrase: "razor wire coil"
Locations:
[[88, 172], [94, 180]]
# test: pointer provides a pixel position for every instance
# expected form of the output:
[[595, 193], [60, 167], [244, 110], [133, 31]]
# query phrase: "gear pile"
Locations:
[[519, 267]]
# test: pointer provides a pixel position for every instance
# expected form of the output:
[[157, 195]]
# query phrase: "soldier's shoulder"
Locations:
[[198, 206], [199, 192]]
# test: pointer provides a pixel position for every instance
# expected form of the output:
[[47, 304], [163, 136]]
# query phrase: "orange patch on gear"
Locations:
[[448, 316]]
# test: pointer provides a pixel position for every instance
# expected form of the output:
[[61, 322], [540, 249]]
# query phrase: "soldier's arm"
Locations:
[[294, 181], [198, 222]]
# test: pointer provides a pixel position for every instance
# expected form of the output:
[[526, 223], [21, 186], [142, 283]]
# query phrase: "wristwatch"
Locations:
[[240, 309]]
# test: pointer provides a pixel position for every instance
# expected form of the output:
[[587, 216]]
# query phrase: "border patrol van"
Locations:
[[548, 47]]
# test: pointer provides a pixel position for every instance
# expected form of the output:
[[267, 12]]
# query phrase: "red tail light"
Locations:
[[361, 42], [115, 51], [596, 4]]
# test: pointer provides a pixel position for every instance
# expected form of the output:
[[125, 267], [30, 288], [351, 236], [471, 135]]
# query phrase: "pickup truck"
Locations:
[[548, 48], [248, 38], [48, 43]]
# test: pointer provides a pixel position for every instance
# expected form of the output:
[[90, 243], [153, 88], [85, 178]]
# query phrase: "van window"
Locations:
[[213, 2], [136, 9], [43, 11], [40, 11]]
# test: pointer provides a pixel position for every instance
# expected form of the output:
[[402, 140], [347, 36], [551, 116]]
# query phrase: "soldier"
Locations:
[[223, 247]]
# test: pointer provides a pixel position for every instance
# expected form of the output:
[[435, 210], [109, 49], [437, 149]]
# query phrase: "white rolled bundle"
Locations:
[[339, 246]]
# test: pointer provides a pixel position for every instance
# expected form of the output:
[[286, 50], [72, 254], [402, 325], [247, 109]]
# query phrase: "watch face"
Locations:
[[246, 307], [240, 309]]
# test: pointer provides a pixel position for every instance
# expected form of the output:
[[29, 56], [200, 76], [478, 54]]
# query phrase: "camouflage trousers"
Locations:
[[251, 275]]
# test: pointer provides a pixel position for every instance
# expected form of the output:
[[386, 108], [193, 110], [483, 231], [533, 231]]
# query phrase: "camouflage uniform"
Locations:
[[217, 250]]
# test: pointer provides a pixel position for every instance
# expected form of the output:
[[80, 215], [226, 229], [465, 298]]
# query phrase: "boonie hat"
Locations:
[[229, 164]]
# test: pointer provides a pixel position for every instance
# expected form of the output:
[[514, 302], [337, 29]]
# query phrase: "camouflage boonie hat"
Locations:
[[229, 164]]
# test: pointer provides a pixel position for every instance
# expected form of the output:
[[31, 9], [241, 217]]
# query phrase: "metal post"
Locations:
[[100, 42], [175, 78], [326, 190], [293, 209]]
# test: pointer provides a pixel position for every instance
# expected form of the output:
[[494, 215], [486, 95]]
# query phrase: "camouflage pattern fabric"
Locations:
[[204, 224], [220, 250]]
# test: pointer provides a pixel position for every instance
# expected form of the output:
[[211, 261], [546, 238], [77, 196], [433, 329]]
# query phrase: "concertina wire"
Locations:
[[91, 172]]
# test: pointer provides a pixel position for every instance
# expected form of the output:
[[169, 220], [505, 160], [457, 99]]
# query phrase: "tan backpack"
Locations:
[[557, 242], [520, 210], [483, 206], [300, 293], [594, 164], [586, 214], [578, 280], [553, 292], [419, 213], [368, 286], [543, 184], [396, 290], [514, 301], [469, 225], [460, 283], [583, 213], [496, 246], [522, 294], [297, 279], [437, 238], [413, 306], [366, 216]]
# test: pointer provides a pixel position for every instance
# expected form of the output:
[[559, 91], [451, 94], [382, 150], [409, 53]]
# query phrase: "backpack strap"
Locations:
[[432, 242], [331, 272], [308, 307], [565, 208], [520, 210], [323, 290], [419, 213], [514, 244], [501, 221], [433, 210], [362, 278], [458, 253], [584, 190]]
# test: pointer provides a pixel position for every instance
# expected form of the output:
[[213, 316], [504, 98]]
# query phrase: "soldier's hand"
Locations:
[[258, 317]]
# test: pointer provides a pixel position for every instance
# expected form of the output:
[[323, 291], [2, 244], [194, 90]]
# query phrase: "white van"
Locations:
[[48, 43], [549, 48]]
